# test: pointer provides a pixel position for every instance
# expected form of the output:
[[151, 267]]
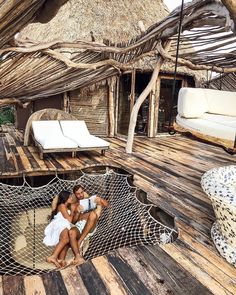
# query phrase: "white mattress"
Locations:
[[213, 127], [49, 135], [91, 141], [78, 132], [228, 121]]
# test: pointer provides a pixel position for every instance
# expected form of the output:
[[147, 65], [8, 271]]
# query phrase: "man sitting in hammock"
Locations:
[[85, 213]]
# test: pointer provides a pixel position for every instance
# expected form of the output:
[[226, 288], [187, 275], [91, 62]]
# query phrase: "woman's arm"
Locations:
[[64, 211], [75, 212]]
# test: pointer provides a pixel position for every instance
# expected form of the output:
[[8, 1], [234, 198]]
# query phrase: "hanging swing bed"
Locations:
[[207, 114]]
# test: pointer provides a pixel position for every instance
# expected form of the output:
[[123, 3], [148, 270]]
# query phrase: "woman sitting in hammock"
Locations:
[[62, 233], [57, 231], [86, 212]]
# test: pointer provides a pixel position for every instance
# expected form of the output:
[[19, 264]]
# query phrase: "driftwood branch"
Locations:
[[13, 101], [93, 66], [95, 62], [231, 6], [190, 65], [140, 100]]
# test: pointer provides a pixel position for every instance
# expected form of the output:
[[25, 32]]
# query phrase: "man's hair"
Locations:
[[76, 187]]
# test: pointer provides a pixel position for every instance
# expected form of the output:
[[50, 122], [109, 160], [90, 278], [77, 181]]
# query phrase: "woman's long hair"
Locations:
[[62, 198]]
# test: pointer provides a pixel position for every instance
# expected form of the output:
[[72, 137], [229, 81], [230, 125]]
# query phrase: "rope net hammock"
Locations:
[[24, 212]]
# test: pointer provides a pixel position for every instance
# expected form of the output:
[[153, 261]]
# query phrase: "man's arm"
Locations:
[[101, 201]]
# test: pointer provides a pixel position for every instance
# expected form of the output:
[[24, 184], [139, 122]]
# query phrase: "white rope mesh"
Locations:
[[24, 212]]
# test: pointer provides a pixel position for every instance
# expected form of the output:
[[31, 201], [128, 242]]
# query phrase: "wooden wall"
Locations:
[[22, 115], [124, 105], [92, 107]]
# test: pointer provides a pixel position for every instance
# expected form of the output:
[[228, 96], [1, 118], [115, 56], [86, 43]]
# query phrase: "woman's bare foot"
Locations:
[[62, 262], [53, 260]]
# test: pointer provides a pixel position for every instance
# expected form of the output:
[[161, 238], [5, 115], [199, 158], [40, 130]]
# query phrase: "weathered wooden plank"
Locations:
[[10, 160], [200, 268], [205, 246], [54, 284], [176, 277], [1, 288], [2, 156], [92, 280], [109, 276], [24, 159], [129, 277], [13, 285], [34, 285], [149, 276], [73, 281], [42, 164]]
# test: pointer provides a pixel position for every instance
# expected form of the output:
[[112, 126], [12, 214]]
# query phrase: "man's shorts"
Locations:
[[80, 225]]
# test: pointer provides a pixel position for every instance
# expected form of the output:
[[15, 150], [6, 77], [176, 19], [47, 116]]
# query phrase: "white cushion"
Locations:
[[44, 129], [78, 132], [206, 127], [221, 102], [192, 102], [55, 142], [73, 128], [49, 135]]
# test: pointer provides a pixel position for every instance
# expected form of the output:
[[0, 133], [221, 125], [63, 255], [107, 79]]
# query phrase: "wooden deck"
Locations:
[[169, 170]]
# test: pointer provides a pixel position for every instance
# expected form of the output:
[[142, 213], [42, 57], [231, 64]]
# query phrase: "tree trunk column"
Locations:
[[140, 100]]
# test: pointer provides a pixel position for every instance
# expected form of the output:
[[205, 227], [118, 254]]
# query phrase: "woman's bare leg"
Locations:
[[74, 235], [64, 240], [62, 256]]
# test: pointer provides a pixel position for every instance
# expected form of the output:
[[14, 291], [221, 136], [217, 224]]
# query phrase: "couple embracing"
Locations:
[[71, 222]]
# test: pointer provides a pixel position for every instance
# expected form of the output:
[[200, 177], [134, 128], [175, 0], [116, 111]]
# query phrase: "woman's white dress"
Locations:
[[54, 228]]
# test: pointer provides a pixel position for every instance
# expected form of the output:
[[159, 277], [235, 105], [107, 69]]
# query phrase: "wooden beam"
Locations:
[[156, 106], [111, 107], [132, 92]]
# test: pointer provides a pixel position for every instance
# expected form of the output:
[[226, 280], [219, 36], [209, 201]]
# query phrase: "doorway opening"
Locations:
[[124, 106], [165, 104]]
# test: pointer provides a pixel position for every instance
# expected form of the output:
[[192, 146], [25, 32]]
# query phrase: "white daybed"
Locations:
[[208, 114], [78, 132], [53, 136]]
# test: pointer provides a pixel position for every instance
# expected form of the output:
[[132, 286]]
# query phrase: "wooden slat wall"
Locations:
[[91, 106]]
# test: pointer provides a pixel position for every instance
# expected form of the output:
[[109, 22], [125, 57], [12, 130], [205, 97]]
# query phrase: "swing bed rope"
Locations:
[[170, 127]]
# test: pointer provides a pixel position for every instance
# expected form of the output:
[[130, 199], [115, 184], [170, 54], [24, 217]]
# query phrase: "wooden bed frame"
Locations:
[[53, 114], [228, 145], [43, 151]]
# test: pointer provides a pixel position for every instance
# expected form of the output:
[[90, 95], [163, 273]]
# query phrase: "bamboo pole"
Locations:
[[111, 107]]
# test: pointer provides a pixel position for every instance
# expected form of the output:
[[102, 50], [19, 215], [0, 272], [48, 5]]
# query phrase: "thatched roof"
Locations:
[[15, 14], [107, 19], [32, 70]]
